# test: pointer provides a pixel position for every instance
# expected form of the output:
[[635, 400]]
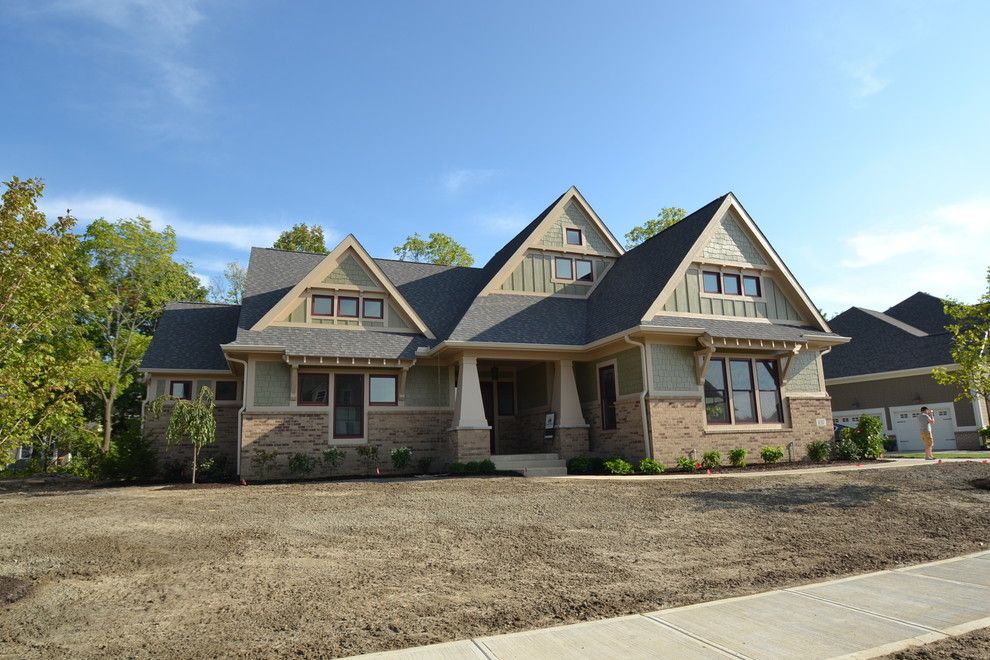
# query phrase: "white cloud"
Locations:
[[457, 181], [500, 223], [864, 76]]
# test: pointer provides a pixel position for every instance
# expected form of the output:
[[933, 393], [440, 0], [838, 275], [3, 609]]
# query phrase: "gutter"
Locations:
[[647, 435], [240, 413]]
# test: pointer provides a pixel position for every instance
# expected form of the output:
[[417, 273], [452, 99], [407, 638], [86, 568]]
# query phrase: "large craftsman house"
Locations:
[[563, 344]]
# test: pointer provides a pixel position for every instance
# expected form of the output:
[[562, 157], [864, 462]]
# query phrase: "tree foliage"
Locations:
[[302, 238], [191, 421], [970, 330], [229, 288], [667, 217], [439, 249]]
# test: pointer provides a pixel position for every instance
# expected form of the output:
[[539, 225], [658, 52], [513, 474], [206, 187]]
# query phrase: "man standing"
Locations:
[[926, 420]]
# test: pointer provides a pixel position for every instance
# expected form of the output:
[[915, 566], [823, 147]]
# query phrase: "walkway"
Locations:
[[858, 617]]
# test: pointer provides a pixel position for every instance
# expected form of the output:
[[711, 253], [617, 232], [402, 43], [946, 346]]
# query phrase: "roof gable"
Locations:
[[923, 311]]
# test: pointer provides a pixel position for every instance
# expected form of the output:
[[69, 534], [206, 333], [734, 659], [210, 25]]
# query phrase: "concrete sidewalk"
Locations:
[[858, 617]]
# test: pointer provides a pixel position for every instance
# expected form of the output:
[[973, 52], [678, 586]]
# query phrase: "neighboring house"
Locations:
[[562, 344], [886, 371]]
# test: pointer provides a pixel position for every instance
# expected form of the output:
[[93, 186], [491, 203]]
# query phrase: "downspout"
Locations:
[[647, 435], [240, 413]]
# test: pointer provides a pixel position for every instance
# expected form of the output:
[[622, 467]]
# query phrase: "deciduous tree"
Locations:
[[229, 288], [667, 217], [302, 238], [440, 249], [191, 421], [970, 329]]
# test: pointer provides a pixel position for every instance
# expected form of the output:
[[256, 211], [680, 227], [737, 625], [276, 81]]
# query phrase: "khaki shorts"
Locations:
[[926, 438]]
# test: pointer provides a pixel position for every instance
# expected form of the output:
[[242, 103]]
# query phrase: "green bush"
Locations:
[[472, 467], [772, 453], [618, 466], [457, 468], [686, 464], [262, 461], [214, 470], [737, 457], [650, 466], [332, 458], [869, 437], [301, 464], [579, 465], [401, 457], [845, 448], [486, 466], [819, 451], [711, 460], [130, 458], [423, 464]]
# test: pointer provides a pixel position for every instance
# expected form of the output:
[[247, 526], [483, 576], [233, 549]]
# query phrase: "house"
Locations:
[[563, 344], [886, 371]]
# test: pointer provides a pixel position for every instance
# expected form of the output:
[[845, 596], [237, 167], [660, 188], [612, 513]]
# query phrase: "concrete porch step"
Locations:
[[513, 458], [532, 465], [559, 471]]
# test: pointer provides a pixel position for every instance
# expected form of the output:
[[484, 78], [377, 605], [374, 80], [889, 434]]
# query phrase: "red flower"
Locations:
[[697, 466]]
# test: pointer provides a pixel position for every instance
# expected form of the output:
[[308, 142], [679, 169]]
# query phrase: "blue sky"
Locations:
[[856, 134]]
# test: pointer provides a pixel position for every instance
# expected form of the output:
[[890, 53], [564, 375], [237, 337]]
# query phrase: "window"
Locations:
[[180, 389], [563, 269], [606, 391], [584, 270], [25, 452], [348, 406], [712, 282], [347, 307], [751, 286], [753, 399], [374, 308], [573, 236], [730, 284], [321, 306], [226, 390], [313, 390], [506, 398], [383, 390]]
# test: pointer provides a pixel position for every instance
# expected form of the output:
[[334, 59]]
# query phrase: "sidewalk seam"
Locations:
[[871, 613], [485, 651], [697, 638]]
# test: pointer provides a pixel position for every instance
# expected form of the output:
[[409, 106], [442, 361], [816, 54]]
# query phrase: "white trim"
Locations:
[[885, 375]]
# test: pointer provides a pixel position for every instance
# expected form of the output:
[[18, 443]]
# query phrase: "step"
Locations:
[[523, 457], [559, 471], [520, 465]]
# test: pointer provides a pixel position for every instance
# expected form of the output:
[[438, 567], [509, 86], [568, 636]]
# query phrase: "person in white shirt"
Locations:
[[926, 420]]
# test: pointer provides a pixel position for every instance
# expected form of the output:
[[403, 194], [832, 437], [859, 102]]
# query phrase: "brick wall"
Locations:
[[225, 446], [465, 445], [968, 440], [626, 440]]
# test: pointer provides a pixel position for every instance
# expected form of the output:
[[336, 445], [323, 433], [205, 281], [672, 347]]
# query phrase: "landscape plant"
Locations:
[[457, 468], [486, 466], [687, 464], [401, 456], [711, 460], [579, 465], [845, 448], [262, 461], [819, 451], [772, 453], [369, 456], [191, 421], [651, 466], [301, 464], [472, 467], [332, 458], [618, 466], [737, 457], [869, 437]]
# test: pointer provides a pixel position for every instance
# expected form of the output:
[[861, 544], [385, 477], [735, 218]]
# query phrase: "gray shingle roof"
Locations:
[[439, 294], [742, 329], [271, 274], [329, 342], [500, 317], [189, 335]]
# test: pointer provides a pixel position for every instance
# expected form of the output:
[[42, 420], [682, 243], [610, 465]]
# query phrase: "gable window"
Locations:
[[226, 390], [383, 390], [573, 236], [584, 270], [712, 282], [314, 389], [180, 389], [751, 386], [563, 268], [348, 406], [606, 392], [347, 307], [321, 306], [373, 308], [752, 286], [731, 285]]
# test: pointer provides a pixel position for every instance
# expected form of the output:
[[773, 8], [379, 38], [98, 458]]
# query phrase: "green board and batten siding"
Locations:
[[687, 298], [534, 275]]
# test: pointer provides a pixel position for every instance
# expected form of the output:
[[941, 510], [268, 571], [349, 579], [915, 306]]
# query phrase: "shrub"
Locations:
[[650, 466], [301, 464], [845, 448], [486, 466], [457, 468], [214, 469], [711, 460], [369, 456], [423, 464], [332, 458], [472, 467], [579, 465], [737, 457], [172, 471], [618, 466], [401, 457], [869, 437], [686, 464], [262, 460], [819, 451], [772, 453]]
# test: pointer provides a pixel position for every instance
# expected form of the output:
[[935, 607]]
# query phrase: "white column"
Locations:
[[469, 411], [566, 402]]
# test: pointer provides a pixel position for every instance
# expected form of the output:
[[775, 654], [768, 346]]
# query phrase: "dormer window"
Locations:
[[731, 285], [347, 307], [712, 282], [573, 236], [584, 270], [374, 308], [322, 306], [563, 268], [751, 286]]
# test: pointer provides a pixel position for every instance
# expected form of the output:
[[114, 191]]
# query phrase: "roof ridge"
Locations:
[[275, 249], [897, 323], [679, 222], [423, 263]]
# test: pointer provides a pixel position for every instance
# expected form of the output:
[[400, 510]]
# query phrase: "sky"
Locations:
[[856, 134]]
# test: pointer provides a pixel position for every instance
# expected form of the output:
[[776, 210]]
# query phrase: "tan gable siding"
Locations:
[[535, 275], [298, 315], [349, 271], [673, 368], [574, 215], [774, 305], [803, 376], [730, 243]]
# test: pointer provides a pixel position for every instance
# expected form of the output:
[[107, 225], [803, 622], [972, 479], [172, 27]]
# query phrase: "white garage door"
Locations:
[[850, 418], [905, 420]]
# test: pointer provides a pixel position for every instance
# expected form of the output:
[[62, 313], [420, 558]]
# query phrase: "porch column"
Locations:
[[469, 411], [566, 402]]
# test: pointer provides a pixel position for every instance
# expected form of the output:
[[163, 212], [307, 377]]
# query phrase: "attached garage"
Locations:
[[905, 421]]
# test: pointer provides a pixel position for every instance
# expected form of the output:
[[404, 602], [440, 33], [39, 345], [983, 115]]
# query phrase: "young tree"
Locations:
[[667, 217], [440, 249], [130, 275], [302, 238], [970, 329], [230, 287], [190, 421]]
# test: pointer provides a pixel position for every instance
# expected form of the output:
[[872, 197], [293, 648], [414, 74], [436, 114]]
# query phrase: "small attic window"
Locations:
[[573, 236], [563, 268], [322, 306], [712, 282]]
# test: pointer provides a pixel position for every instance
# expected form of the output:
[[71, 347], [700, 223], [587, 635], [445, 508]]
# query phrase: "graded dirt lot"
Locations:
[[338, 568]]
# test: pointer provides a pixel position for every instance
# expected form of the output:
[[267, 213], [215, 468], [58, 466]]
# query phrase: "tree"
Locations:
[[190, 421], [970, 330], [440, 249], [230, 287], [667, 217], [302, 238], [44, 361], [130, 274]]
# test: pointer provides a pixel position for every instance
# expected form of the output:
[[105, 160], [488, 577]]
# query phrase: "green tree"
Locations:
[[191, 421], [302, 238], [44, 361], [440, 249], [970, 330], [667, 217], [229, 288], [130, 273]]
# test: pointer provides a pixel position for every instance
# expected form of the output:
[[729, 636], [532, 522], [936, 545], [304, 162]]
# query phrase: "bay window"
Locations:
[[743, 391]]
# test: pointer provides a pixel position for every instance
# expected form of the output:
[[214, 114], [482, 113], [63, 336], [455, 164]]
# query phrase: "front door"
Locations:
[[488, 401]]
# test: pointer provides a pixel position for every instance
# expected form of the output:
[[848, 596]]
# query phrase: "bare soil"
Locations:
[[337, 568], [971, 646]]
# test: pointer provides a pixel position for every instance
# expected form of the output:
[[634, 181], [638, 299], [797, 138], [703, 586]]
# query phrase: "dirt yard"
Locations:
[[329, 569]]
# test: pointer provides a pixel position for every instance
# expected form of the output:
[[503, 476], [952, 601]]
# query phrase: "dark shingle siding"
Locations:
[[189, 336]]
